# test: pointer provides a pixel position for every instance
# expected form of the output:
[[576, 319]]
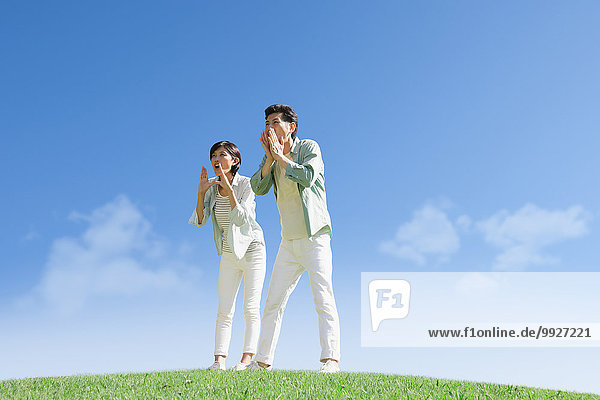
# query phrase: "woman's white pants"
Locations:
[[252, 268]]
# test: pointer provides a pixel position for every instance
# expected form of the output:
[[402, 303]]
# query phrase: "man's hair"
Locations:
[[232, 150], [287, 114]]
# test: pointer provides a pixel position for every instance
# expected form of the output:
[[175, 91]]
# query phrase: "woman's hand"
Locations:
[[224, 183], [204, 184]]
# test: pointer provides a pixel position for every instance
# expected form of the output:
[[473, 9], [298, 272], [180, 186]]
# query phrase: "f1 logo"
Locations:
[[388, 299]]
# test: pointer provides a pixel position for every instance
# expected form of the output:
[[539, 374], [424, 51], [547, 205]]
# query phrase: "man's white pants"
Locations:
[[294, 257], [252, 268]]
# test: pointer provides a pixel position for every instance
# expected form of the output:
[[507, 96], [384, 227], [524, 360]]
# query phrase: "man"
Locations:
[[295, 169]]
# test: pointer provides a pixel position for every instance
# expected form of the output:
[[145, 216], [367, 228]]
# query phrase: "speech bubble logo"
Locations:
[[389, 299]]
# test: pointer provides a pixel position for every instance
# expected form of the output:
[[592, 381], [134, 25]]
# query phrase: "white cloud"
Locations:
[[429, 233], [464, 223], [117, 255], [524, 234], [31, 235]]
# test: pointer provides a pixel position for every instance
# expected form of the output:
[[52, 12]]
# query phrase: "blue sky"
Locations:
[[456, 137]]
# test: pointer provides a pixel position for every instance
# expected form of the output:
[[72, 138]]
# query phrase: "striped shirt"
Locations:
[[222, 209]]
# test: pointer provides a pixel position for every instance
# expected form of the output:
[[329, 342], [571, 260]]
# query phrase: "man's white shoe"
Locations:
[[240, 366], [330, 367], [218, 366], [254, 366]]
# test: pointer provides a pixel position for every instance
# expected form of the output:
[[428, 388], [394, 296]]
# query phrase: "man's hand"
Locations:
[[277, 148], [264, 141], [204, 184], [276, 145]]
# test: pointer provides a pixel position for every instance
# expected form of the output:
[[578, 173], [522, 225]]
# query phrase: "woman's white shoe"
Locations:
[[254, 366], [240, 366], [218, 366], [330, 367]]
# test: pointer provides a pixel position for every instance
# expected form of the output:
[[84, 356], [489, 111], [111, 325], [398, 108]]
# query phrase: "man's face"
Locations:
[[276, 123]]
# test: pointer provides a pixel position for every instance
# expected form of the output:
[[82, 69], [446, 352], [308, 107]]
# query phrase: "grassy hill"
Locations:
[[200, 384]]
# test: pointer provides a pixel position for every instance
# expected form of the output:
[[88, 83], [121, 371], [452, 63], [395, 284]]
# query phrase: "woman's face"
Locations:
[[222, 161]]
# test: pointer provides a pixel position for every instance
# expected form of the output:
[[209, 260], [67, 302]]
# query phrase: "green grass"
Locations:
[[200, 384]]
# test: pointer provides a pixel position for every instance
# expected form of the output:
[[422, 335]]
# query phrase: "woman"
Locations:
[[239, 240]]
